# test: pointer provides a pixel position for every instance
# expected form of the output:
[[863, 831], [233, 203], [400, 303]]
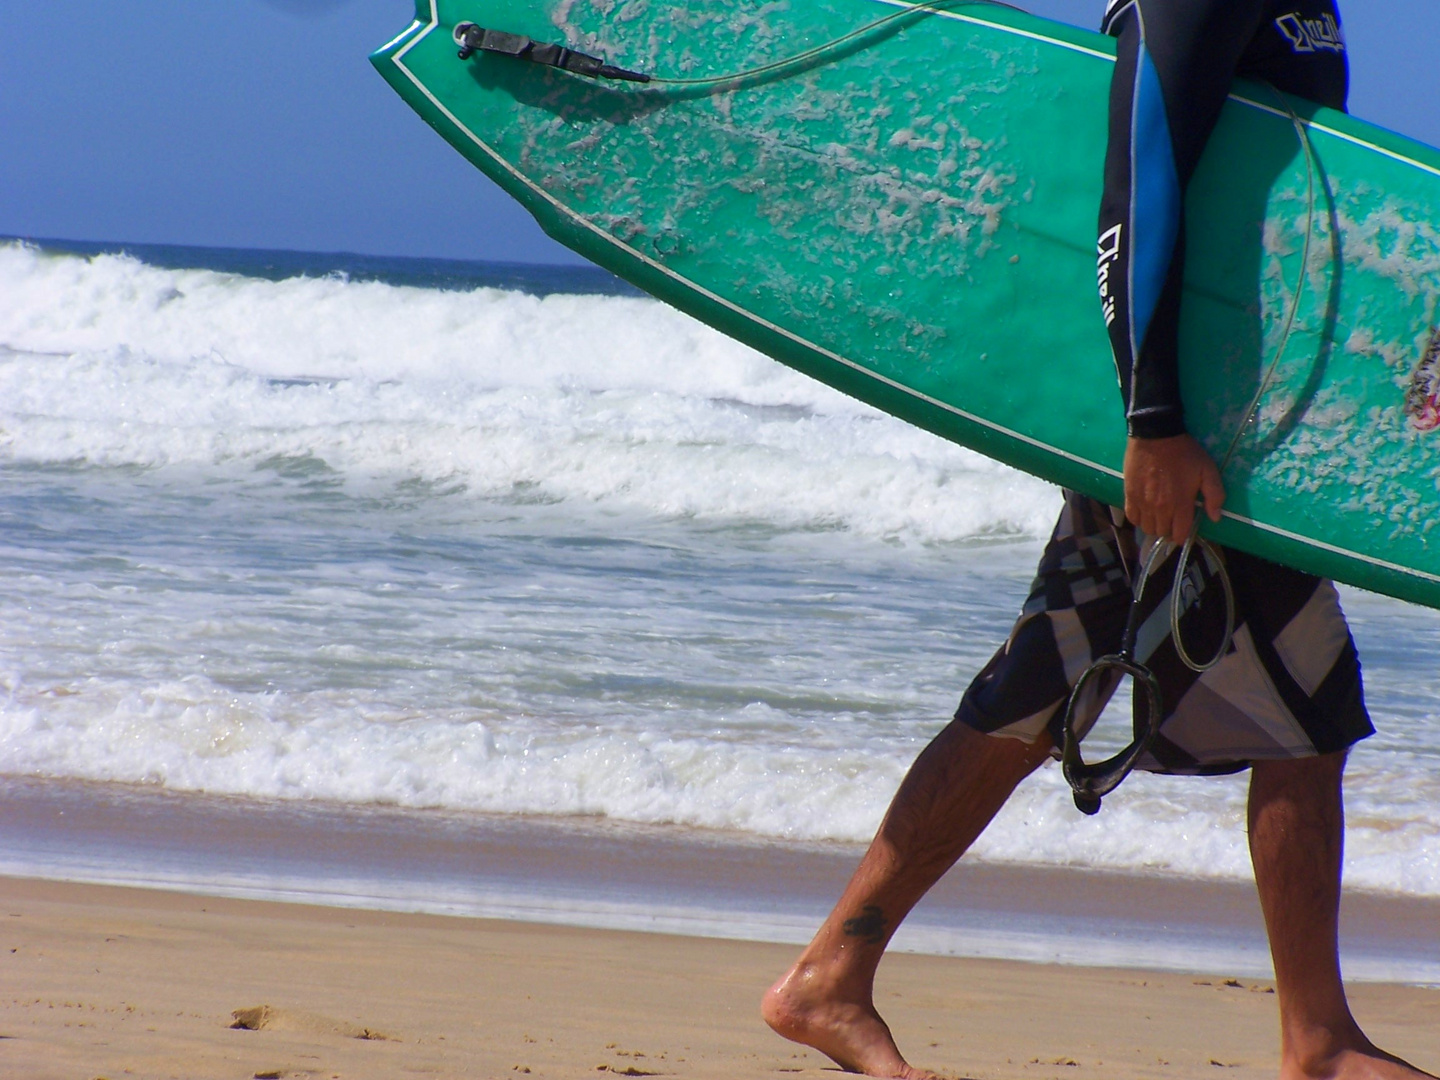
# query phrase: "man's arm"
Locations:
[[1176, 60]]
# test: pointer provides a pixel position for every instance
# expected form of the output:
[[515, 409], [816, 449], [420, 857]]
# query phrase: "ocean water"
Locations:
[[519, 540]]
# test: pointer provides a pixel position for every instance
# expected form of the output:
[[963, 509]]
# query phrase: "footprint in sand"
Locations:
[[269, 1018]]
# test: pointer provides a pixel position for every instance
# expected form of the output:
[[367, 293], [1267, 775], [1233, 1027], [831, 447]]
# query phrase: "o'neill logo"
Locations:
[[1312, 35], [1107, 252], [1422, 400]]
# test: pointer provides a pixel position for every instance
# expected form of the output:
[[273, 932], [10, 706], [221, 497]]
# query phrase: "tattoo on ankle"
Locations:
[[869, 924]]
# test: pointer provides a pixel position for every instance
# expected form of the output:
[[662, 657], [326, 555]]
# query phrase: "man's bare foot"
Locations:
[[804, 1008], [1364, 1063]]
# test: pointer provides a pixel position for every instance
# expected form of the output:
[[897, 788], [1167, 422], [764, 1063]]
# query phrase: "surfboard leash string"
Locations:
[[471, 39], [1089, 783]]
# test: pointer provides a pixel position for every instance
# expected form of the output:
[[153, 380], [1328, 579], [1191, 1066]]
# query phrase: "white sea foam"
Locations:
[[320, 539], [606, 399], [738, 772]]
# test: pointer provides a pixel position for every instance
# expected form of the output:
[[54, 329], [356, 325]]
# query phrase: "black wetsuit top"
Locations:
[[1176, 61]]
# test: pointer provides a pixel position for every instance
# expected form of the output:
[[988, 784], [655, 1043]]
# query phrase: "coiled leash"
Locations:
[[1089, 783]]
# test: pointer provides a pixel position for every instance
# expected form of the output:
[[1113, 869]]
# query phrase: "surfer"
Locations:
[[1286, 702]]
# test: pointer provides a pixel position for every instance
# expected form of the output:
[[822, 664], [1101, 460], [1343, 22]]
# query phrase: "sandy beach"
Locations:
[[110, 982]]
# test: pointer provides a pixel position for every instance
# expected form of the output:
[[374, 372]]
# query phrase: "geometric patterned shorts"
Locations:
[[1288, 686]]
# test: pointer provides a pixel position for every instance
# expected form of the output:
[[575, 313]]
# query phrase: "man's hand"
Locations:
[[1162, 478]]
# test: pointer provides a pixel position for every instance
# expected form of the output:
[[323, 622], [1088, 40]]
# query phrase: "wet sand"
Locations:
[[108, 982], [617, 876]]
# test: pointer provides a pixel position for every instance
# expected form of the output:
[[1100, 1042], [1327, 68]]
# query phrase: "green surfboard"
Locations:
[[908, 214]]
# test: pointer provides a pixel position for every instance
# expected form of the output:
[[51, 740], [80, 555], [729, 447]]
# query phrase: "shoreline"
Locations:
[[108, 980], [617, 876]]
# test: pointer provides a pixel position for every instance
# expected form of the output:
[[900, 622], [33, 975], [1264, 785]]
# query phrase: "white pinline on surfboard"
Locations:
[[1326, 129], [1016, 31], [400, 54], [401, 36], [1061, 43], [1334, 549]]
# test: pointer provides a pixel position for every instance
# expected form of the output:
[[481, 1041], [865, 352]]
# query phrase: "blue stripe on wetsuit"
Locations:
[[1155, 194]]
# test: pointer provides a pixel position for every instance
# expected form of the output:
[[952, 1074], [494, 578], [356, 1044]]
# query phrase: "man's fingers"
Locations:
[[1139, 512], [1212, 489], [1183, 521], [1132, 511]]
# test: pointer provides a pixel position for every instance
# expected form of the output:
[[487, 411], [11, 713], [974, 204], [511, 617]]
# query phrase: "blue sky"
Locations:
[[259, 123]]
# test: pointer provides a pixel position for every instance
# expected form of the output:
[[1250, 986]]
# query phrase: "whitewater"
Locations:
[[528, 550]]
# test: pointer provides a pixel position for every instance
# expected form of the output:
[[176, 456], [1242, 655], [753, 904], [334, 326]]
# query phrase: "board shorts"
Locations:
[[1288, 685]]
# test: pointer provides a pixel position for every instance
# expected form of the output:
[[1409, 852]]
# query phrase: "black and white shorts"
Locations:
[[1289, 685]]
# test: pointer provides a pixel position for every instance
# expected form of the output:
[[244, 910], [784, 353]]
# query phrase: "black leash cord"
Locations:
[[1090, 783], [472, 39]]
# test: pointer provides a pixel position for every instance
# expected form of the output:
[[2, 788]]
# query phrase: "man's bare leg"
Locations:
[[1297, 824], [826, 1001]]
